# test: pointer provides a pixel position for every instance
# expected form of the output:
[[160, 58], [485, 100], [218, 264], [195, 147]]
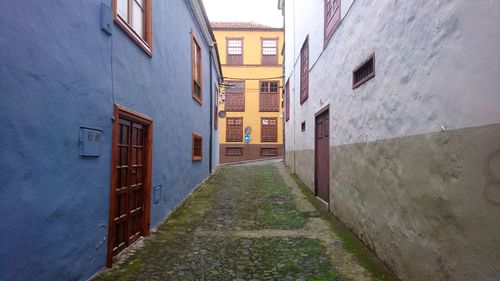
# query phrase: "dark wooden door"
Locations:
[[322, 156], [128, 217]]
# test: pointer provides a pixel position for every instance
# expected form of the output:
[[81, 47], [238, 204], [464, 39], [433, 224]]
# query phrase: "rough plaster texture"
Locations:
[[433, 68], [429, 205], [58, 71], [415, 195]]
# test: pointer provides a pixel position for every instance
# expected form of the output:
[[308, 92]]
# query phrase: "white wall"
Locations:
[[437, 65]]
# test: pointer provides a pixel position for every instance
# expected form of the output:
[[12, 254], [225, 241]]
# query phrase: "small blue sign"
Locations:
[[247, 138]]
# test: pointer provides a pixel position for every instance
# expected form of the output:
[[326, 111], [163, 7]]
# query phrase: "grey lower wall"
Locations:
[[302, 163], [428, 205]]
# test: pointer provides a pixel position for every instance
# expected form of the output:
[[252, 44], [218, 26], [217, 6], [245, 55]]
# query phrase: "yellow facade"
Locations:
[[252, 72]]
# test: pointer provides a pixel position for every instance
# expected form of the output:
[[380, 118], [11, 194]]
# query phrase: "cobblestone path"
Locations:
[[251, 222]]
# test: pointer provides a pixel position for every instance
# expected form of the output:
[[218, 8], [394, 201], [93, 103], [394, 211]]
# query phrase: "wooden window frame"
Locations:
[[216, 108], [331, 23], [231, 61], [196, 137], [262, 129], [269, 59], [240, 137], [199, 80], [146, 44], [356, 84], [287, 101], [231, 154], [120, 111], [304, 71], [261, 105], [228, 93]]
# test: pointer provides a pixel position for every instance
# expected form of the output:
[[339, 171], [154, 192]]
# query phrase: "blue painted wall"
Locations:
[[59, 71]]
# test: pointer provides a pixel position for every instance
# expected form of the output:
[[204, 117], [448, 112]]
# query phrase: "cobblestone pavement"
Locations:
[[249, 222]]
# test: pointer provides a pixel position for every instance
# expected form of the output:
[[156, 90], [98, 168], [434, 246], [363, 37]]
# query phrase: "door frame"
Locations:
[[120, 111], [321, 111]]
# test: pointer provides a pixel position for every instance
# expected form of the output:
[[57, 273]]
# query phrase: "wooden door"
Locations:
[[322, 156], [130, 191]]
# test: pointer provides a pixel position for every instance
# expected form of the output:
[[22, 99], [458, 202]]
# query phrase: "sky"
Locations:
[[259, 11]]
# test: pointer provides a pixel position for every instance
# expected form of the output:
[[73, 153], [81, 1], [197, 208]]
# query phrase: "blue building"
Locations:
[[108, 116]]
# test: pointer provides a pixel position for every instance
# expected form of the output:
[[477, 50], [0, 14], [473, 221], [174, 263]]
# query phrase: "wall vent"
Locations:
[[234, 151], [364, 72], [269, 151]]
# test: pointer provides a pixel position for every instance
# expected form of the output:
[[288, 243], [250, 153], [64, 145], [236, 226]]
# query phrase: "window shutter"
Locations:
[[234, 129], [304, 72], [269, 129], [268, 96]]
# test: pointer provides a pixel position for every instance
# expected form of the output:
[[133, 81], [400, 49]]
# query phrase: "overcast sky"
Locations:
[[259, 11]]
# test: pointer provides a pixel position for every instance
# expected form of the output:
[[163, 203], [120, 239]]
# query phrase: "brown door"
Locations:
[[129, 194], [322, 156]]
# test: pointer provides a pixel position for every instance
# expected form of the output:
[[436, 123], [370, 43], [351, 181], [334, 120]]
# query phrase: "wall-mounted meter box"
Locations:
[[90, 142]]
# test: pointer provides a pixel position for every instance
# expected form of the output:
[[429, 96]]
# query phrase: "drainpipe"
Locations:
[[211, 112]]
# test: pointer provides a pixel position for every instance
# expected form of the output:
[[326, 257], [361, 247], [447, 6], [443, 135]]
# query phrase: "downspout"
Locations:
[[211, 112]]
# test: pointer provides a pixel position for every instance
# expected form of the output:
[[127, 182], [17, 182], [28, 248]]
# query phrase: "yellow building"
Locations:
[[252, 65]]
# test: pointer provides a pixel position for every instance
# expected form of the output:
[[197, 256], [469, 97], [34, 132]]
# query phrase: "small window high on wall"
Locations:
[[364, 72], [134, 18], [197, 152]]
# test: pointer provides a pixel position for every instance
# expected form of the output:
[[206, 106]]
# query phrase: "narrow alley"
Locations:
[[249, 222]]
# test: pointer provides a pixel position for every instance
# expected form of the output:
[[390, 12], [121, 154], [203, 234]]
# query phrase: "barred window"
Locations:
[[234, 151]]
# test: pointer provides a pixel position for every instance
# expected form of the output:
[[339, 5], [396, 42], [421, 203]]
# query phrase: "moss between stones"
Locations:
[[364, 256]]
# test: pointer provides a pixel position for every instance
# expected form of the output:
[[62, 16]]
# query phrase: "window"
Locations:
[[234, 51], [269, 51], [235, 96], [216, 108], [303, 126], [268, 96], [269, 151], [134, 18], [332, 18], [287, 101], [196, 69], [197, 153], [364, 72], [234, 151], [234, 129], [269, 130], [304, 71]]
